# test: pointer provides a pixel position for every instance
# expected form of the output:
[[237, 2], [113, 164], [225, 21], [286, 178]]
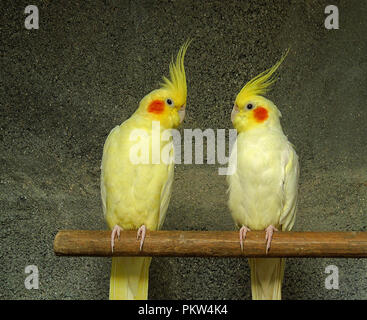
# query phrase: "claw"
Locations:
[[243, 232], [269, 236], [116, 230], [141, 233]]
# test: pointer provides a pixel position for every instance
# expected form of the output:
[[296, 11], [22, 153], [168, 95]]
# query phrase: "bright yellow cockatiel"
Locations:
[[135, 184], [263, 190]]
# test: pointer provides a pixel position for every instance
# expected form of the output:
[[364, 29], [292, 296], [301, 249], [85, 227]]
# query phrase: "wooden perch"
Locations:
[[212, 244]]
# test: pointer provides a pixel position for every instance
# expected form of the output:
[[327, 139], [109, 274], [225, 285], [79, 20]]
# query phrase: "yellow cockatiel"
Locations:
[[263, 190], [137, 176]]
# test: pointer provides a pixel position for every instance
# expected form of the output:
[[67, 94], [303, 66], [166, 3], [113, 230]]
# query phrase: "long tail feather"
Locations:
[[129, 278], [266, 278]]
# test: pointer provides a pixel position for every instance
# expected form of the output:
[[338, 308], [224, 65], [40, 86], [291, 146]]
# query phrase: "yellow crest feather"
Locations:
[[177, 82], [261, 83]]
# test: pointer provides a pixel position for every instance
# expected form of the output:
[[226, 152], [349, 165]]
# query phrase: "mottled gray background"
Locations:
[[66, 85]]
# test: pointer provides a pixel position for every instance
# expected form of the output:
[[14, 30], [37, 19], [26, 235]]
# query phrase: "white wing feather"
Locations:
[[290, 190]]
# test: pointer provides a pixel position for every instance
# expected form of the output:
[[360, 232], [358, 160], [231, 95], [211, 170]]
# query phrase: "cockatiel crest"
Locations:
[[136, 194], [251, 109], [263, 190], [168, 103]]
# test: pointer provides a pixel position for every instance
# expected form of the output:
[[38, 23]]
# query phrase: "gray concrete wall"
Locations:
[[66, 85]]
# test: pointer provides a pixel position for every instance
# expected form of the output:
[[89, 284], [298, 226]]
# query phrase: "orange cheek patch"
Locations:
[[260, 114], [156, 106]]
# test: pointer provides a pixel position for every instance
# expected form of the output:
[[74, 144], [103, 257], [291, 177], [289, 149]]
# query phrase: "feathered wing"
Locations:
[[132, 195], [166, 193], [103, 188], [138, 194], [267, 273], [290, 189]]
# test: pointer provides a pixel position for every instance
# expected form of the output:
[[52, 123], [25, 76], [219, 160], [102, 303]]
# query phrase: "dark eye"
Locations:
[[250, 106], [169, 102]]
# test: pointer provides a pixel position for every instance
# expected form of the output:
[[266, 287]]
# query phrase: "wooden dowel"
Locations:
[[212, 244]]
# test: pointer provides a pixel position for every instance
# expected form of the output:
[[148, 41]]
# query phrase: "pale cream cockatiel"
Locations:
[[263, 190], [137, 175]]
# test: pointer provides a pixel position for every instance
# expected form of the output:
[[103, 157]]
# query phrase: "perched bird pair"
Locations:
[[262, 189]]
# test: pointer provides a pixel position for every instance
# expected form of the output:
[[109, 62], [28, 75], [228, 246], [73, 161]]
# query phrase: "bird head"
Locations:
[[167, 104], [251, 109]]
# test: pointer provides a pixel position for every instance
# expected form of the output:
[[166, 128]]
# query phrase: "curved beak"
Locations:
[[235, 110], [182, 112]]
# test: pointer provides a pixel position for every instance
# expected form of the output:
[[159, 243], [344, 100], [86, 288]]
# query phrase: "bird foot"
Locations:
[[141, 234], [115, 231], [269, 236], [243, 232]]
